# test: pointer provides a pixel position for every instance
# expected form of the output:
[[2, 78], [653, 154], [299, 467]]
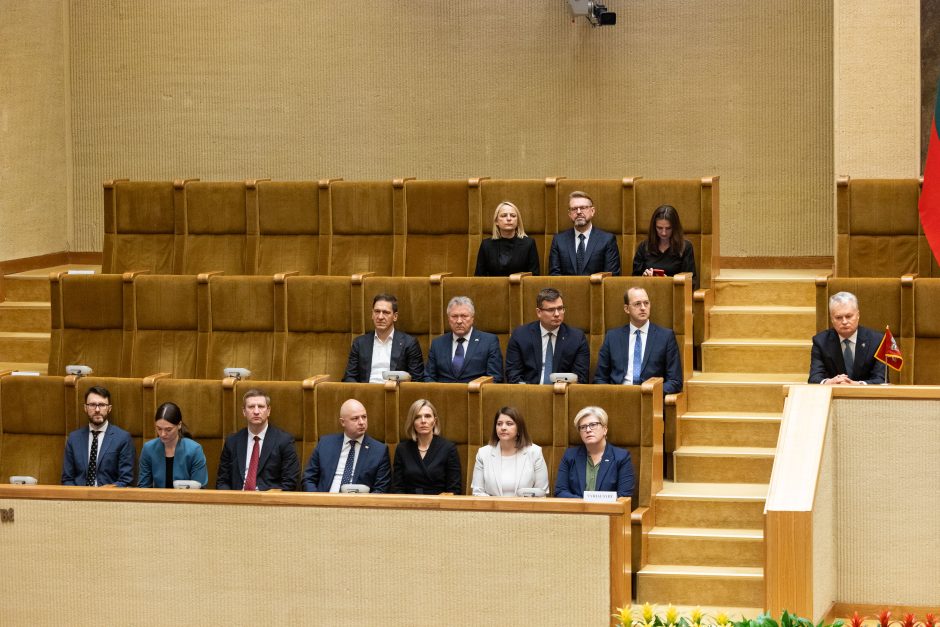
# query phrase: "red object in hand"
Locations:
[[658, 272]]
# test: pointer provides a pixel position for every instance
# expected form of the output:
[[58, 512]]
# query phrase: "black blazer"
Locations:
[[438, 472], [277, 465], [827, 359], [601, 254], [524, 353], [406, 355], [523, 257], [668, 262]]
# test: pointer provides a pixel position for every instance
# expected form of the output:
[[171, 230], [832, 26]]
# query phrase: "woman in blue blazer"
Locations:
[[173, 454], [610, 467]]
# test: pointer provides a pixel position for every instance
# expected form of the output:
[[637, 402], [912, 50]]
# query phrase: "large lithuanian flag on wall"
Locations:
[[930, 194]]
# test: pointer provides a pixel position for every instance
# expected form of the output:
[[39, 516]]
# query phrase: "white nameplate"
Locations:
[[81, 271], [597, 496], [24, 373]]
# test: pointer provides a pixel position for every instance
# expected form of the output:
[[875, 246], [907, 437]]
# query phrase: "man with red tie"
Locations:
[[260, 456]]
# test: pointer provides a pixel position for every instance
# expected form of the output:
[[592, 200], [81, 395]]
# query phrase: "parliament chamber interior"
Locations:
[[205, 199]]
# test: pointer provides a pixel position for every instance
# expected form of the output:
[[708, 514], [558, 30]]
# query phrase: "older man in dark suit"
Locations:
[[845, 354], [464, 353], [548, 345], [384, 349], [583, 249]]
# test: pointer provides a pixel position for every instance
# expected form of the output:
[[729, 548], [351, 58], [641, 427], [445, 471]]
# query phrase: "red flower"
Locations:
[[929, 620], [884, 618], [858, 620], [908, 620]]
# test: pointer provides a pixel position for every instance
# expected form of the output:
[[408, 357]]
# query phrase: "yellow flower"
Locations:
[[722, 619], [672, 615], [647, 613], [697, 616], [623, 616]]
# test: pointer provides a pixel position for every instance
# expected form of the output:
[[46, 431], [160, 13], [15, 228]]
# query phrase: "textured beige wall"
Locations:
[[886, 501], [34, 135], [877, 88], [291, 89], [825, 549], [205, 564]]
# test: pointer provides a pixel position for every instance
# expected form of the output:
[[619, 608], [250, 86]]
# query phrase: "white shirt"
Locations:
[[508, 472], [381, 357], [341, 464], [587, 238], [466, 344], [251, 442], [100, 430], [644, 334]]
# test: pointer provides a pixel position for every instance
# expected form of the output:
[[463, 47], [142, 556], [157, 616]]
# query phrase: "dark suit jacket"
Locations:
[[278, 467], [601, 254], [524, 353], [372, 467], [406, 355], [661, 358], [482, 357], [827, 359], [614, 475], [115, 457], [523, 257], [438, 472], [189, 462]]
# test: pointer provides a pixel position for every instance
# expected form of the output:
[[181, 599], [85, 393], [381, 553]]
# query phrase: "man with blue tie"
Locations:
[[640, 349], [548, 345], [464, 353], [583, 249], [845, 353], [350, 457], [100, 453]]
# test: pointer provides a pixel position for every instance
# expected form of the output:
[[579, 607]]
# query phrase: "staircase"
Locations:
[[707, 546], [25, 322]]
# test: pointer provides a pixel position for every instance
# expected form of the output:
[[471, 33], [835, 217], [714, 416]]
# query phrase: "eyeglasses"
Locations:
[[589, 426], [553, 310], [97, 405], [580, 209]]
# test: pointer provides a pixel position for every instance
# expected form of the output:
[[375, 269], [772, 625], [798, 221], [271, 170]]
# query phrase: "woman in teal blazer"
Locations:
[[172, 454]]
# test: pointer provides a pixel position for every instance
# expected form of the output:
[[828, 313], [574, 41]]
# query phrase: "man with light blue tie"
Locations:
[[639, 350], [350, 457]]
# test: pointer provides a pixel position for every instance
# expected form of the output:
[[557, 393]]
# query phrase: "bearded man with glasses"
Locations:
[[100, 453]]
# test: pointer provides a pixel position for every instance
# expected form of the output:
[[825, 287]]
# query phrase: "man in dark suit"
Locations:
[[100, 453], [639, 350], [260, 456], [845, 354], [565, 348], [385, 348], [583, 249], [349, 457], [464, 353]]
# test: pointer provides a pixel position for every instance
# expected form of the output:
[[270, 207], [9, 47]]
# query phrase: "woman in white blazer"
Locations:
[[510, 461]]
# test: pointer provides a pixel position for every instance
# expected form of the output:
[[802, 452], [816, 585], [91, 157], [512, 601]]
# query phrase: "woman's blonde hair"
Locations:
[[520, 231], [417, 406]]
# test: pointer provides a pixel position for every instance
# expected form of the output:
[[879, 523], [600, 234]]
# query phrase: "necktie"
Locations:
[[847, 356], [91, 474], [251, 478], [350, 464], [579, 254], [637, 358], [549, 358], [459, 355]]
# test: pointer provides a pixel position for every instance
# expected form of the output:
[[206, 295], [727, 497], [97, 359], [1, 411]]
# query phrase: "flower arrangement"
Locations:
[[648, 617]]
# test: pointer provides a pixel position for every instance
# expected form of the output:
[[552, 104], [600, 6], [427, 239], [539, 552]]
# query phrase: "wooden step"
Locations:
[[699, 546], [732, 391], [723, 464], [24, 316], [711, 505], [26, 287], [729, 429], [787, 288], [792, 323], [756, 355], [704, 585], [24, 347]]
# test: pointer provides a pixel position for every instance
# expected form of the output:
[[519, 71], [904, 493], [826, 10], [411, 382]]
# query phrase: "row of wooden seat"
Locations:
[[295, 327], [878, 229], [401, 227], [909, 305], [37, 413]]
